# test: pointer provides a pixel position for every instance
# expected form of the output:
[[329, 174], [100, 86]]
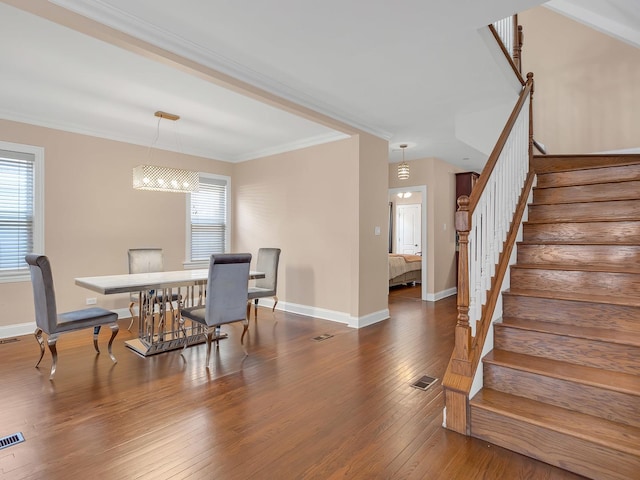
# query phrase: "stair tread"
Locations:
[[594, 219], [580, 297], [624, 438], [591, 333], [611, 183], [579, 268], [610, 380], [577, 244]]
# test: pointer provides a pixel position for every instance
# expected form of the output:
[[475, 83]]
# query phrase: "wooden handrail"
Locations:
[[497, 149], [465, 358], [514, 67]]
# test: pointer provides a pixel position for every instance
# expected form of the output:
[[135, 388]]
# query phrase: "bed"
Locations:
[[404, 269]]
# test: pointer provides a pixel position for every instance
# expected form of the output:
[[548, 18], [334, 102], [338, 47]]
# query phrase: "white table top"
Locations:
[[136, 282]]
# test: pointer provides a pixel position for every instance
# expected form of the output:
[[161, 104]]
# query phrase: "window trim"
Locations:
[[188, 263], [23, 274]]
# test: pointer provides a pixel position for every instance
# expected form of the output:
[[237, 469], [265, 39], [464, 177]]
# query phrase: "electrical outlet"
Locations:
[[92, 301]]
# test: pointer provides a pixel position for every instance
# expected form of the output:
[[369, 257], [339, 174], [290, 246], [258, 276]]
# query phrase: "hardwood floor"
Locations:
[[295, 408]]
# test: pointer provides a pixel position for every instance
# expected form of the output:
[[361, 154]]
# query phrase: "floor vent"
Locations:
[[424, 382], [324, 336], [8, 340], [11, 440]]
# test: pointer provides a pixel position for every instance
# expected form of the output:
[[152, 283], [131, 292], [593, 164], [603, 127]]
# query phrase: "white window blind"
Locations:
[[208, 207], [21, 222]]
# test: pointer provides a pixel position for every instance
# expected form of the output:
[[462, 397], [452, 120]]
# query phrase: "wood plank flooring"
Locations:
[[295, 408]]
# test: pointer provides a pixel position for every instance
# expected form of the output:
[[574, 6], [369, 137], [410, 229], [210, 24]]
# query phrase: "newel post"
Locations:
[[462, 354]]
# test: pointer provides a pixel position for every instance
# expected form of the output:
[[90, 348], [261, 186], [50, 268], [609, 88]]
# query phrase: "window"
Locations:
[[21, 208], [208, 217]]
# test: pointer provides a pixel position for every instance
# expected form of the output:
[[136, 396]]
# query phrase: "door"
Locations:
[[409, 228]]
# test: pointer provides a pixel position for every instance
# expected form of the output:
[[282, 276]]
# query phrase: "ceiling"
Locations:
[[250, 79]]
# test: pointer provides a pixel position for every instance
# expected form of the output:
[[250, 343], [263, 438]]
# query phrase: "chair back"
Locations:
[[227, 288], [268, 259], [145, 260], [44, 296]]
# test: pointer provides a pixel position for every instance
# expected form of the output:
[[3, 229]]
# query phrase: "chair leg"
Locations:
[[255, 302], [38, 335], [245, 323], [133, 315], [114, 331], [275, 303], [96, 331], [209, 335], [248, 309], [51, 341]]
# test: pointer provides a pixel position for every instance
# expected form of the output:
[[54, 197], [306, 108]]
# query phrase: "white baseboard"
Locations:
[[10, 331], [325, 314], [434, 297], [19, 329]]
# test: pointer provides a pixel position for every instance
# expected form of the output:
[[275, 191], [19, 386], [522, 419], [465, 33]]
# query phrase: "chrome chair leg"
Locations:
[[114, 331], [96, 331], [133, 316], [38, 335], [275, 303], [209, 335], [51, 341]]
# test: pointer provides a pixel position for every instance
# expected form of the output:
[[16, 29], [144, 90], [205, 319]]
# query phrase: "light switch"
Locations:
[[377, 230]]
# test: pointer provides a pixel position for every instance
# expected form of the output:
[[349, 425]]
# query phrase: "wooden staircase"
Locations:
[[563, 382]]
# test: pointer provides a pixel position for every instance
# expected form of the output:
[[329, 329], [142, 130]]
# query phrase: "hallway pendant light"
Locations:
[[403, 168], [164, 179]]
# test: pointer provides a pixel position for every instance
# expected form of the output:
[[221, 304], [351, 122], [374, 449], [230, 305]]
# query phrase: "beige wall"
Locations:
[[587, 85], [92, 214], [439, 178], [320, 205], [373, 212]]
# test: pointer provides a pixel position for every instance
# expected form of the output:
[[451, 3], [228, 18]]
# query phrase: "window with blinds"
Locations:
[[21, 216], [209, 224]]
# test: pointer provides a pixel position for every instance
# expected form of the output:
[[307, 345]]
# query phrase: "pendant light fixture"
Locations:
[[403, 168], [164, 179]]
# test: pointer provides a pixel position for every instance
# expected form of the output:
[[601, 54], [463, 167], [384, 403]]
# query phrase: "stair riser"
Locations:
[[620, 285], [580, 351], [590, 176], [587, 193], [587, 232], [588, 211], [583, 255], [556, 448], [567, 312], [599, 402]]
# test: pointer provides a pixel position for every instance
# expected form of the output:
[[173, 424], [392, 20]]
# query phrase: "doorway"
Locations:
[[422, 191]]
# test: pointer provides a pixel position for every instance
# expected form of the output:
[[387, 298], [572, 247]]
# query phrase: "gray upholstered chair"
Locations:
[[268, 259], [226, 297], [146, 260], [49, 321]]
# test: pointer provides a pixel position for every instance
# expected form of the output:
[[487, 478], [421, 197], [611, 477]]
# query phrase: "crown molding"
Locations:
[[136, 27]]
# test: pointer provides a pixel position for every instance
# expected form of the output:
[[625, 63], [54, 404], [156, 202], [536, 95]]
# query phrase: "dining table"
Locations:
[[160, 326]]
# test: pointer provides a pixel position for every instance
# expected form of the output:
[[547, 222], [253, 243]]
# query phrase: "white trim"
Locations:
[[38, 205], [325, 314], [434, 297], [291, 146], [17, 330], [624, 151], [370, 319], [425, 247], [143, 30]]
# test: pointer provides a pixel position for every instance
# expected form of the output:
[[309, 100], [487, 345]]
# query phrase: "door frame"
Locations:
[[422, 189]]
